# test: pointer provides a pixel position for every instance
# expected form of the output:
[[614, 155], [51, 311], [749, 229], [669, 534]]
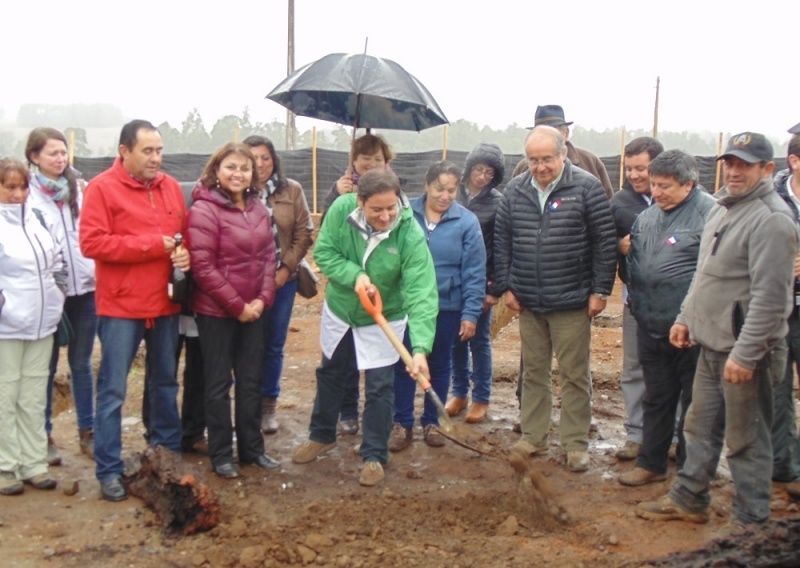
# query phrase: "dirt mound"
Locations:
[[774, 544]]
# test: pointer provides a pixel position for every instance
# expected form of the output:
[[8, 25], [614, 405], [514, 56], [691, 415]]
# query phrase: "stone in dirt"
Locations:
[[508, 527]]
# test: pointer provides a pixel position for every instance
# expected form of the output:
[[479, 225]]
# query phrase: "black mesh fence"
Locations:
[[330, 165]]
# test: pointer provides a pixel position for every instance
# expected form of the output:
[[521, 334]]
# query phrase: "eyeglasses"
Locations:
[[548, 161], [485, 172]]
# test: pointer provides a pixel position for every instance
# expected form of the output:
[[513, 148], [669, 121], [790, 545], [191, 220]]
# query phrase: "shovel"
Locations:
[[374, 307]]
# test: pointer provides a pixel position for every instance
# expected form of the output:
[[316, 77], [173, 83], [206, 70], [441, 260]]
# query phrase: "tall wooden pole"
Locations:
[[622, 157], [291, 131], [719, 164], [655, 111], [444, 143]]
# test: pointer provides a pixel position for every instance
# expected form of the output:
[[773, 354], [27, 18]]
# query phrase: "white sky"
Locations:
[[489, 62]]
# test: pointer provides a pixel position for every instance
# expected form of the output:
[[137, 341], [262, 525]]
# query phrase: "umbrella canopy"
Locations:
[[361, 91]]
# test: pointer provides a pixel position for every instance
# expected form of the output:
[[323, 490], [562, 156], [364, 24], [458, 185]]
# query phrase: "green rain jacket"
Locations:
[[397, 261]]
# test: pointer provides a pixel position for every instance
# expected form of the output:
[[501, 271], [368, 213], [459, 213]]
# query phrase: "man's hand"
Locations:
[[596, 305], [489, 302], [624, 245], [169, 243], [363, 281], [734, 373], [797, 266], [679, 336], [420, 367], [467, 330], [180, 259], [511, 301]]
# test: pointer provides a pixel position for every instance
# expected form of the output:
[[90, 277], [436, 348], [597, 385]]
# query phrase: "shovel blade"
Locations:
[[444, 419]]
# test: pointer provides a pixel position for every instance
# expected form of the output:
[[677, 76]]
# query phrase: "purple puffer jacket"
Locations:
[[232, 253]]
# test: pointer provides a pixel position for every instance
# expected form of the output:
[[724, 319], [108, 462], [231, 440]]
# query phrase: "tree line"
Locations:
[[193, 137]]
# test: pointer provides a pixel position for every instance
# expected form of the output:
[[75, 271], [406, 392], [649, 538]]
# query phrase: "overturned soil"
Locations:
[[445, 506]]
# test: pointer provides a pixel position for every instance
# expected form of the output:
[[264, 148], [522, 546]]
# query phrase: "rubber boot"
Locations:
[[269, 424]]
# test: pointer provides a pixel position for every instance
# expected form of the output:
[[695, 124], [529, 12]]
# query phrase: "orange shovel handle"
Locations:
[[374, 307]]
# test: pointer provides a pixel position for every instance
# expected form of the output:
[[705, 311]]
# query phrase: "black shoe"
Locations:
[[113, 490], [226, 470], [264, 462]]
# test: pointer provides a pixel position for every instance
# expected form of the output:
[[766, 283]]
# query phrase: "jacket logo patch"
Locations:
[[672, 240], [555, 205], [392, 250]]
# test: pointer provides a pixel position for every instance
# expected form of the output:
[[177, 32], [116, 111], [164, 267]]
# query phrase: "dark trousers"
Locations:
[[229, 344], [193, 414], [378, 404], [193, 411], [668, 377]]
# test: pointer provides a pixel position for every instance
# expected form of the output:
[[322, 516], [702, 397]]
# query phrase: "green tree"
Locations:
[[195, 137], [172, 139], [81, 145], [226, 129]]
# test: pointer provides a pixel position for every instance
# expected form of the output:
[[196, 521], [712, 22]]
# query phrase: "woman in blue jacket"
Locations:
[[459, 257]]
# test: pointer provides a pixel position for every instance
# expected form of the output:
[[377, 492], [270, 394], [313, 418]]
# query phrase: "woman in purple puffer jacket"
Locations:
[[233, 268]]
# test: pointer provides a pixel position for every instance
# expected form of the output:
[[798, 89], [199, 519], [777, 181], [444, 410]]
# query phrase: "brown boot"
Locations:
[[640, 476], [269, 424], [477, 412], [53, 457], [793, 489], [86, 442], [455, 405]]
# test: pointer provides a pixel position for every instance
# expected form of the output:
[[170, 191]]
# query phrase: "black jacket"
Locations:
[[663, 259], [626, 205], [484, 205], [553, 260]]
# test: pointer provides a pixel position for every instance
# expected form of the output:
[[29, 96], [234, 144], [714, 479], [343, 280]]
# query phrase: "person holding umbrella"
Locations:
[[459, 258], [369, 241], [367, 152]]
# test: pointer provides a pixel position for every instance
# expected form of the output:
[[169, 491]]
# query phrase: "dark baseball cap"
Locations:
[[794, 129], [751, 147]]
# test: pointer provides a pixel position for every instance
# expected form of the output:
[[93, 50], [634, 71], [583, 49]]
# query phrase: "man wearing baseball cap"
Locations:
[[553, 115], [736, 310]]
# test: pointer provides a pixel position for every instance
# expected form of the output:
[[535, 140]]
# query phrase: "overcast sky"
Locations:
[[722, 68]]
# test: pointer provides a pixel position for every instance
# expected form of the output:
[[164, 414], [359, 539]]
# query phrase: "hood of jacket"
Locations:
[[489, 154]]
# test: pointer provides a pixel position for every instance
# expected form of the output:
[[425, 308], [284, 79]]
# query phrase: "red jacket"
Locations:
[[122, 225], [233, 253]]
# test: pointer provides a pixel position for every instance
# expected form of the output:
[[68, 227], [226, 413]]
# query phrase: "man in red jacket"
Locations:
[[131, 213]]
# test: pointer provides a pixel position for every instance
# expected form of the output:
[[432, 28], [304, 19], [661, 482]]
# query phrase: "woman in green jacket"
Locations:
[[370, 240]]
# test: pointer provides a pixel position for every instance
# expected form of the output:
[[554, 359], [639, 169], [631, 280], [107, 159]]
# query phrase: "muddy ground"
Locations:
[[437, 507]]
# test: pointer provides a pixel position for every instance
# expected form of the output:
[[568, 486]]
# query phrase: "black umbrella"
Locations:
[[361, 91]]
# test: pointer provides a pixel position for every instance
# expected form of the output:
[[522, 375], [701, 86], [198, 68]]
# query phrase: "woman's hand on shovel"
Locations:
[[420, 367], [363, 281]]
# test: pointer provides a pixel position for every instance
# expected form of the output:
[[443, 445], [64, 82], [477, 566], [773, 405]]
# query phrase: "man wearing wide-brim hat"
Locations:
[[736, 310], [553, 115]]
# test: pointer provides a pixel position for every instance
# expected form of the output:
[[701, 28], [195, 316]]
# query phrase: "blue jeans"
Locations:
[[480, 349], [276, 327], [741, 414], [82, 315], [785, 444], [377, 422], [120, 338], [440, 365]]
